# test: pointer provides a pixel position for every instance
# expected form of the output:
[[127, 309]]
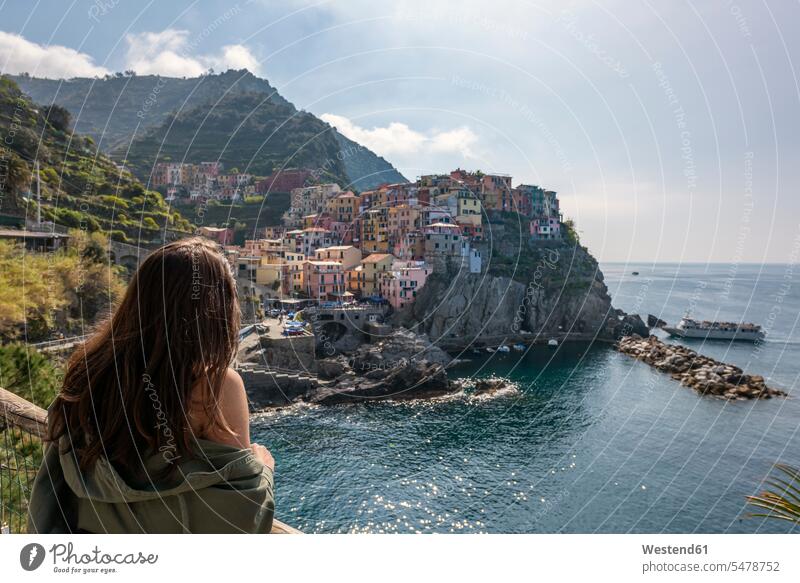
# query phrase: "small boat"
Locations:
[[519, 347], [489, 349], [634, 273], [503, 349], [552, 342], [691, 328]]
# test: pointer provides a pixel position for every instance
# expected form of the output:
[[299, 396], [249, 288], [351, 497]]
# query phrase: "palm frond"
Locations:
[[782, 501]]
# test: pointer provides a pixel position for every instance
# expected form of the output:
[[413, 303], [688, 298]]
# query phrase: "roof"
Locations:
[[375, 257], [336, 247]]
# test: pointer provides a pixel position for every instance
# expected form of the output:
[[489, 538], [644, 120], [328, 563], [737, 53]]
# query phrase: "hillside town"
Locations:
[[382, 245], [198, 183]]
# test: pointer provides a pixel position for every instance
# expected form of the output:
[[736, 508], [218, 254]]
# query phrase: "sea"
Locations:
[[587, 440]]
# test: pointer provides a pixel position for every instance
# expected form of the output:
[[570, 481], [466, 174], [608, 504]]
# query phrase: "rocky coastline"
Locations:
[[705, 375], [400, 366], [529, 294]]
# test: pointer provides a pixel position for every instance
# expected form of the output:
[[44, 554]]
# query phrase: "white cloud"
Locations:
[[18, 55], [398, 138], [170, 53], [458, 140]]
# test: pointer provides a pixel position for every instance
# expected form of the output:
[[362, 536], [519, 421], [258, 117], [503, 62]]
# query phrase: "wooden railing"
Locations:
[[22, 425]]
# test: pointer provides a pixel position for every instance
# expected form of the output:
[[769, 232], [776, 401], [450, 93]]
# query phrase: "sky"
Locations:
[[669, 129]]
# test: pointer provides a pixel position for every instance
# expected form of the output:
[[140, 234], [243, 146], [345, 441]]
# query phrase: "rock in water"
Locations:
[[702, 373]]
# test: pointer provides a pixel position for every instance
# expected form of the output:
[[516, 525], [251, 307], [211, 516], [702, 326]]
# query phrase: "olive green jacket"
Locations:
[[221, 490]]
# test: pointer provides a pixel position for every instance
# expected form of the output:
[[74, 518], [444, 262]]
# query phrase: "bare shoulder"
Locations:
[[233, 408], [232, 384]]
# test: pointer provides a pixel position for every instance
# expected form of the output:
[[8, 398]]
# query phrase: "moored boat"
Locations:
[[691, 328]]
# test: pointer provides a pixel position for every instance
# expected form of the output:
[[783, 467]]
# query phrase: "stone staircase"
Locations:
[[274, 387]]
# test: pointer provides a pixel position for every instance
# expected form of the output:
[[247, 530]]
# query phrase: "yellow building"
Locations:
[[355, 280], [293, 272], [375, 231], [347, 255], [374, 265], [402, 219], [268, 274], [469, 209], [343, 207]]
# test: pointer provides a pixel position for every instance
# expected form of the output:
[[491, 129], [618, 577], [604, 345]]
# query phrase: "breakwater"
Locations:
[[702, 373]]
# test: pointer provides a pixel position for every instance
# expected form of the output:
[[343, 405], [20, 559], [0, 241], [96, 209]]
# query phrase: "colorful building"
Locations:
[[283, 181], [293, 272], [356, 280], [315, 238], [343, 207], [347, 255], [402, 219], [400, 285], [443, 240], [374, 266], [495, 190], [375, 231], [323, 280], [545, 228], [411, 247]]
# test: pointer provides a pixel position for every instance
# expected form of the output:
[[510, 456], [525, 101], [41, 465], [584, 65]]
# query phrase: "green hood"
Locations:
[[220, 489]]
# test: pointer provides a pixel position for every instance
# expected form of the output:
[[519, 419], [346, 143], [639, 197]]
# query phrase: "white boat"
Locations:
[[691, 328], [489, 349], [503, 349], [552, 342], [519, 347]]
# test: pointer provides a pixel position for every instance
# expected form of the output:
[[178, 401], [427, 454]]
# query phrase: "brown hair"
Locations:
[[168, 344]]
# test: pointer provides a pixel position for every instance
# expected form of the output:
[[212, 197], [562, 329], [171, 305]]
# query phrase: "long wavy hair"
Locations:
[[129, 389]]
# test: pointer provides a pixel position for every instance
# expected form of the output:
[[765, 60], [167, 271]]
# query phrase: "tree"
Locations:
[[18, 175], [58, 117], [29, 374]]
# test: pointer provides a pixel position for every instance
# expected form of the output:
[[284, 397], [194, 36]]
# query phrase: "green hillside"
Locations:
[[243, 130], [113, 109], [121, 109], [80, 187]]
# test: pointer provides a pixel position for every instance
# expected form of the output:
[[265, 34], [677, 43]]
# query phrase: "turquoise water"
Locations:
[[591, 441]]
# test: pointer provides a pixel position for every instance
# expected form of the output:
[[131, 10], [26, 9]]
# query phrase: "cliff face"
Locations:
[[528, 292]]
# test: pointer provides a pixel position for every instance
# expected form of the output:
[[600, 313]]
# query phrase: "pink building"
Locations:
[[342, 233], [546, 228], [410, 247], [400, 285], [323, 280]]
